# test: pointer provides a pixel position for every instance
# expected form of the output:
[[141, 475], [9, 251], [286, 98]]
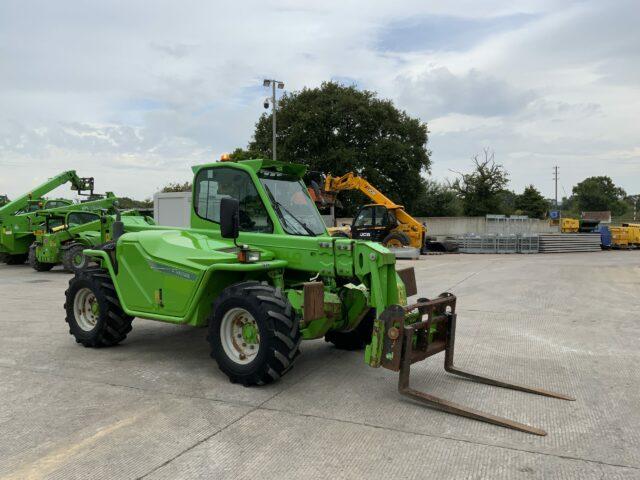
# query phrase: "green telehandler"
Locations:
[[258, 269], [63, 236], [20, 217]]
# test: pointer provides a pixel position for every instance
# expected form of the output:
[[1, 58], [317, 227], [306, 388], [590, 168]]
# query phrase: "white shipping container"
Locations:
[[172, 209]]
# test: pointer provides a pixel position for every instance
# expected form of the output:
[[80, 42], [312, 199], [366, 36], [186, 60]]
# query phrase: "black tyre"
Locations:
[[94, 314], [339, 234], [73, 259], [35, 264], [356, 339], [254, 333], [16, 259], [396, 240]]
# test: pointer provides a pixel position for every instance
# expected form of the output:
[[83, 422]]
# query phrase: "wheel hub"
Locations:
[[78, 259], [240, 336], [86, 309]]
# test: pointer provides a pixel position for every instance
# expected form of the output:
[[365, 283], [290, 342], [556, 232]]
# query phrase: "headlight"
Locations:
[[248, 256]]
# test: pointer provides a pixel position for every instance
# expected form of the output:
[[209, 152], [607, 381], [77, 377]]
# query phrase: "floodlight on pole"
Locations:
[[273, 83]]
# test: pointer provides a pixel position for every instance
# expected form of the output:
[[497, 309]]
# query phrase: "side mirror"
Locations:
[[229, 218]]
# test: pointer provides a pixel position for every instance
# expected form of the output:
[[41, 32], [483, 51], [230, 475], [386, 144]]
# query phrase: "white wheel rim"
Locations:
[[234, 327], [85, 309]]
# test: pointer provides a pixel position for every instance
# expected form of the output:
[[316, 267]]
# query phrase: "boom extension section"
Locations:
[[83, 185]]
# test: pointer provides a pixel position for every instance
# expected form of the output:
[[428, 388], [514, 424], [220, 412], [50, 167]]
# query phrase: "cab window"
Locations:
[[214, 184], [364, 218], [56, 204], [80, 218], [373, 216]]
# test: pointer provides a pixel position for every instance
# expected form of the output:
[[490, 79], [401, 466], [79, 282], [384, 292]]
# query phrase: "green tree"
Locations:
[[439, 200], [125, 203], [483, 190], [532, 203], [600, 194], [242, 154], [337, 129], [177, 187], [507, 202]]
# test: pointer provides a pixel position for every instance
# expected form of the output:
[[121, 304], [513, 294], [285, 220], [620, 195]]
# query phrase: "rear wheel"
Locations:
[[253, 333], [94, 314], [396, 240], [16, 259], [356, 339], [35, 263], [73, 258]]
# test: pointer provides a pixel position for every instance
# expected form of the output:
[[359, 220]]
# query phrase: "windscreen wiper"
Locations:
[[282, 208]]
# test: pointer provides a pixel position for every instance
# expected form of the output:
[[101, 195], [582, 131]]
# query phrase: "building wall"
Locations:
[[454, 226]]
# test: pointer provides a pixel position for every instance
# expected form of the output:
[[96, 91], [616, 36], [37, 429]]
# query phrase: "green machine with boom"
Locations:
[[259, 270], [19, 218], [63, 236]]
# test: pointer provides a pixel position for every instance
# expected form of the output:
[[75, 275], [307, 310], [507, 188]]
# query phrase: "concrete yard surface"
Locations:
[[157, 406]]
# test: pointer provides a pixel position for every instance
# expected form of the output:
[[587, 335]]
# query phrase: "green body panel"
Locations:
[[17, 230], [174, 275]]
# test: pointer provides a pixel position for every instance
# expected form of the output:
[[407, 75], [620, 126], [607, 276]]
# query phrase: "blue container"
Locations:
[[605, 236]]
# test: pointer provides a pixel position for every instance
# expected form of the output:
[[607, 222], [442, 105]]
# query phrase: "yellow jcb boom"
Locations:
[[382, 221]]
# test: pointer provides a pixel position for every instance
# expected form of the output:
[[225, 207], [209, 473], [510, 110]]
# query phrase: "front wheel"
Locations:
[[253, 333], [94, 314], [396, 240], [73, 258]]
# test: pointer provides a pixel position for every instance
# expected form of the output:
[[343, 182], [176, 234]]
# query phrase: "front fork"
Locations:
[[428, 327]]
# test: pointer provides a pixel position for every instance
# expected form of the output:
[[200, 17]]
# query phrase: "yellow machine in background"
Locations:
[[382, 221], [569, 225], [633, 233], [619, 237]]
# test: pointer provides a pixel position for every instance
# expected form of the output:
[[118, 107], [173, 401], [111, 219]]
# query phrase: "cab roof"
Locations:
[[258, 164]]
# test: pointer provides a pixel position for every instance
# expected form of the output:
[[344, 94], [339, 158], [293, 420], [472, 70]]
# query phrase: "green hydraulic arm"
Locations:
[[80, 184]]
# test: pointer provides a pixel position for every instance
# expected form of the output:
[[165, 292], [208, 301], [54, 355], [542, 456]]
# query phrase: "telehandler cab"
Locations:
[[258, 268]]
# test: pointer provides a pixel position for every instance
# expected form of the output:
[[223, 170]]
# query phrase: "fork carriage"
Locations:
[[434, 331]]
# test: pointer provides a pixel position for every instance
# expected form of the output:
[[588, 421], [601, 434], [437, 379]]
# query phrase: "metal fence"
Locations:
[[512, 225], [491, 243]]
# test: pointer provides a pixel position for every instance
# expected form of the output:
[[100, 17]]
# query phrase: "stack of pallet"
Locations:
[[569, 242]]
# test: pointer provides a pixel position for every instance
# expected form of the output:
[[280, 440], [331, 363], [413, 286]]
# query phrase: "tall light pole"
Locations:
[[555, 177], [273, 83]]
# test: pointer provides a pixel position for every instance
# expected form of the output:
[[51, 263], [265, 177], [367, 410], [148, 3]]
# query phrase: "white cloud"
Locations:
[[135, 93]]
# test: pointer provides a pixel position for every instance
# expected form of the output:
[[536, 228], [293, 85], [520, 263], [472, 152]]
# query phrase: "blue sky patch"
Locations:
[[438, 32]]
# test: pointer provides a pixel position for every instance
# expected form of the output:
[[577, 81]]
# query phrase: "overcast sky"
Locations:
[[134, 92]]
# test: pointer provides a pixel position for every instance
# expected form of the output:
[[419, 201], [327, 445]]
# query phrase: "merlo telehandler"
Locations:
[[63, 237], [20, 217], [258, 269]]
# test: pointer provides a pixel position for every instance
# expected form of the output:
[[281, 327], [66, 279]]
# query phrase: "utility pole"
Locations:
[[555, 177], [272, 83]]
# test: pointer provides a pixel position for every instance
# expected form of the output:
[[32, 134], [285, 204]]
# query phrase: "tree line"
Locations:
[[338, 129]]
